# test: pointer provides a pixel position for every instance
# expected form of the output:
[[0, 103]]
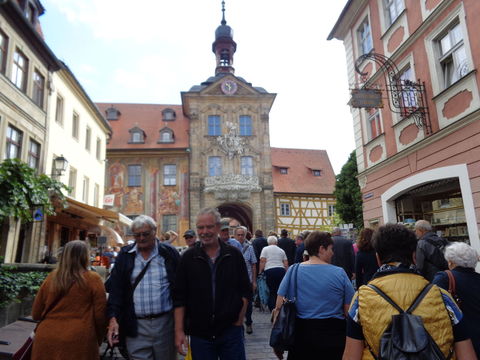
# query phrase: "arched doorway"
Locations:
[[238, 211]]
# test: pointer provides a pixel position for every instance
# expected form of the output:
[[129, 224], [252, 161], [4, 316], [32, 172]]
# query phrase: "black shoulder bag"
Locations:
[[283, 330]]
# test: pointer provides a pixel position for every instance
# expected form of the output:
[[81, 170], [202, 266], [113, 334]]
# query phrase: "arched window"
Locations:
[[166, 136], [137, 136], [168, 115]]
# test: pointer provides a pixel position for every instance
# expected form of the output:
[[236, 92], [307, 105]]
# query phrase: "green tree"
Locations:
[[348, 194], [22, 190]]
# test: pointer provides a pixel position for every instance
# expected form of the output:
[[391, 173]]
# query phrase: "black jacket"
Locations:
[[209, 313], [429, 255], [119, 285], [288, 245], [343, 254]]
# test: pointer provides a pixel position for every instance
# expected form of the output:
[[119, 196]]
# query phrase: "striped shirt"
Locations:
[[250, 258], [152, 294]]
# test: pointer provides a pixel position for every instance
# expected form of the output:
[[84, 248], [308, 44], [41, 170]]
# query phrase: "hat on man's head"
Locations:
[[224, 225], [189, 232]]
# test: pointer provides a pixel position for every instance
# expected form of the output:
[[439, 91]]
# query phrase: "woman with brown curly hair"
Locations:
[[365, 261], [71, 306]]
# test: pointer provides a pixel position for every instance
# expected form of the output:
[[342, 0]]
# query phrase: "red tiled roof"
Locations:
[[147, 117], [300, 178]]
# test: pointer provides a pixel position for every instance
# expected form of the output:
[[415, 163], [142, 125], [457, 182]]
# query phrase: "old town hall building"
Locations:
[[169, 161]]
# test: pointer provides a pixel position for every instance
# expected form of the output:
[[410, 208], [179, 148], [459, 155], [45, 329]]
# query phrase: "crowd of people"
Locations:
[[198, 302]]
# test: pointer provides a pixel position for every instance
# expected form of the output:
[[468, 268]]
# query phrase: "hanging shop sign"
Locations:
[[366, 98]]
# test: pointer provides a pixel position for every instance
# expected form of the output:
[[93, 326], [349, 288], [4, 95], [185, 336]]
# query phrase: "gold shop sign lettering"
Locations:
[[366, 98]]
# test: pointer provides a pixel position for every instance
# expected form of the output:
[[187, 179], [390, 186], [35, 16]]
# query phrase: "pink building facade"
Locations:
[[410, 171]]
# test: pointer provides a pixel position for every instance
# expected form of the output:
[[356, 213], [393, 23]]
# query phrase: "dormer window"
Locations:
[[168, 115], [316, 172], [166, 136], [137, 136], [112, 113], [283, 170]]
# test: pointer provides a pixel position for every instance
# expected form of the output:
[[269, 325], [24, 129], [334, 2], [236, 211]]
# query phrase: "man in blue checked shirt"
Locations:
[[140, 306]]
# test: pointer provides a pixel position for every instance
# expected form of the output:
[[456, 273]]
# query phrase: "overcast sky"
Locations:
[[148, 51]]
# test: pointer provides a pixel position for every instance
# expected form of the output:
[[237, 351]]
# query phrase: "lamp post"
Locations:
[[60, 164]]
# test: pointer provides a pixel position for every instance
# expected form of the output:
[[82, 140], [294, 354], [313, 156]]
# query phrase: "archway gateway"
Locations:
[[241, 212]]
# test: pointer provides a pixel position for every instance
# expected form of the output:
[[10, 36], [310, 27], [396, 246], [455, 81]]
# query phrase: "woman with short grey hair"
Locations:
[[462, 259]]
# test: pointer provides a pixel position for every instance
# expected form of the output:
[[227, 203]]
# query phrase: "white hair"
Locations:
[[423, 225], [272, 240], [461, 254]]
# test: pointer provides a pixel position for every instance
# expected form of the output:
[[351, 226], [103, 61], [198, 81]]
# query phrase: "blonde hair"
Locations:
[[71, 266]]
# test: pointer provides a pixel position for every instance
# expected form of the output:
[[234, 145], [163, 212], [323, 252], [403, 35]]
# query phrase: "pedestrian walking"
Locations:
[[211, 295], [287, 245], [323, 294], [140, 307], [71, 306], [429, 252], [464, 285], [250, 261], [343, 255], [274, 262], [434, 311], [365, 260]]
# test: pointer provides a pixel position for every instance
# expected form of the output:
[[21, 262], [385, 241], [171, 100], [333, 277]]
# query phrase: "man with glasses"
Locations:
[[140, 306]]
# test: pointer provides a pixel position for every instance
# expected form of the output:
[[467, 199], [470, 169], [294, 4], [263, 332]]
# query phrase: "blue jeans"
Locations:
[[248, 314], [228, 346]]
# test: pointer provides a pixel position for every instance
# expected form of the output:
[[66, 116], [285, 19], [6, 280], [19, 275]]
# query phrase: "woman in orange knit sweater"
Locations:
[[74, 301]]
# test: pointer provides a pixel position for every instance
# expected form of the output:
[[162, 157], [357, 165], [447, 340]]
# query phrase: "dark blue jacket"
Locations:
[[467, 284], [119, 285]]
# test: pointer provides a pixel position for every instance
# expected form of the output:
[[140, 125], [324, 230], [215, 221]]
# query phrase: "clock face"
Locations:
[[229, 87]]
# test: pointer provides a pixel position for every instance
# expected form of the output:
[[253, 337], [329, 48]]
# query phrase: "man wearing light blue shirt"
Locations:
[[140, 304]]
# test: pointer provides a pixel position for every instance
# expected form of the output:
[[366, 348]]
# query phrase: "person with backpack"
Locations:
[[430, 249], [399, 314]]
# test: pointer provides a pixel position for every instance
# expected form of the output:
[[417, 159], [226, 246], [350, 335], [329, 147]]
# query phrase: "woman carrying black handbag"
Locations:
[[323, 295]]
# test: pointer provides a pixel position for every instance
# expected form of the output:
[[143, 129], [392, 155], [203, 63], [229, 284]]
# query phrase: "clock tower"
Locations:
[[230, 164]]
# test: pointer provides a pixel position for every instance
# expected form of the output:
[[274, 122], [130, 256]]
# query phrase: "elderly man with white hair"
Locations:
[[462, 259], [429, 253], [275, 263]]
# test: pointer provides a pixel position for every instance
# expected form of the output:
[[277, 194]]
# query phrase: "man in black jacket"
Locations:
[[211, 293], [287, 245], [139, 303], [343, 254], [430, 249]]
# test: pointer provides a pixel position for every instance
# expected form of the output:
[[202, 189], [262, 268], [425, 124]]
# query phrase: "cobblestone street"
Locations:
[[256, 344]]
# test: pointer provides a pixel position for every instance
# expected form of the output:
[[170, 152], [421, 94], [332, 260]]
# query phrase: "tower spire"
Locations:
[[224, 22], [224, 47]]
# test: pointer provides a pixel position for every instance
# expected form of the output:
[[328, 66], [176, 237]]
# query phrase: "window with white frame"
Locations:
[[33, 154], [214, 128], [166, 136], [408, 99], [245, 125], [393, 8], [134, 175], [88, 138], [170, 174], [214, 166], [284, 209], [374, 125], [169, 222], [453, 57], [20, 70], [98, 149], [86, 185], [331, 210], [3, 51], [75, 125], [137, 137], [365, 37], [38, 88], [14, 143], [72, 181], [59, 110], [246, 165]]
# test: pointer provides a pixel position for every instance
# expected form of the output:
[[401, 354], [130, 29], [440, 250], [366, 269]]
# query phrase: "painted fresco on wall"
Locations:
[[117, 173], [169, 201], [134, 201]]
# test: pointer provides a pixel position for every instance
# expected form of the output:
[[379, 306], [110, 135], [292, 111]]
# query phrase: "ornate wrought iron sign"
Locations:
[[407, 98]]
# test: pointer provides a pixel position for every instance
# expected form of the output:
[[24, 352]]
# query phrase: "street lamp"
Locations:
[[59, 166]]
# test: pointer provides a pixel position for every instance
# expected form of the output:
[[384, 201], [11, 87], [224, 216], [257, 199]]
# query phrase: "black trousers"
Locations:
[[317, 339]]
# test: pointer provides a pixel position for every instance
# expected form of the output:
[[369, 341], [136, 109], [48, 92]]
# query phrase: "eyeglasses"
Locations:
[[144, 234]]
